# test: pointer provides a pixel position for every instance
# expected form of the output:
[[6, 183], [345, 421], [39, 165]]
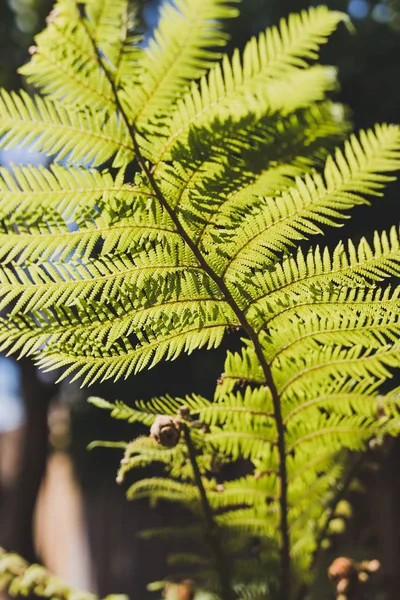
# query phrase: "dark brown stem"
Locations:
[[212, 534], [285, 546], [242, 319]]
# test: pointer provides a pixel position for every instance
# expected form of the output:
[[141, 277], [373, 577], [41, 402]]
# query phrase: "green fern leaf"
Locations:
[[217, 172], [73, 76], [182, 49], [276, 53], [52, 128]]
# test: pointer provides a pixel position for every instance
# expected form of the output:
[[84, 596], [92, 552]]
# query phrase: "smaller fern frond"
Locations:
[[19, 578], [216, 100], [162, 488], [64, 63], [276, 224], [182, 48], [31, 194], [240, 424], [321, 271], [278, 55], [48, 126], [146, 411], [227, 158]]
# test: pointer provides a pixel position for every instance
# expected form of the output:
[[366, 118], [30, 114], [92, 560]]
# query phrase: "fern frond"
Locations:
[[240, 369], [181, 50], [64, 64], [158, 488], [144, 451], [103, 274], [275, 55], [120, 360], [244, 522], [50, 127], [248, 179], [220, 98], [254, 405], [321, 271], [228, 158], [94, 328], [368, 301], [295, 42], [350, 398], [19, 578], [336, 432], [248, 491], [276, 224], [108, 21], [332, 362], [28, 239], [351, 331], [33, 193], [245, 443], [190, 531], [146, 411], [64, 283]]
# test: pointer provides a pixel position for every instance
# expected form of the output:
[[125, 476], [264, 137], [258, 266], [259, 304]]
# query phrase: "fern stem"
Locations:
[[284, 527], [212, 534], [241, 316]]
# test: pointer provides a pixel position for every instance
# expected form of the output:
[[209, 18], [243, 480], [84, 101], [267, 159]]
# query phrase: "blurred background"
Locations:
[[59, 503]]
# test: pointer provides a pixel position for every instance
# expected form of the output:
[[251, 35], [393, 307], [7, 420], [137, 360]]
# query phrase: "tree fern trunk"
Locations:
[[16, 526]]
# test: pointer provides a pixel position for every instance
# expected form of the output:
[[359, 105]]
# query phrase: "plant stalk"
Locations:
[[212, 528], [242, 319], [284, 527]]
